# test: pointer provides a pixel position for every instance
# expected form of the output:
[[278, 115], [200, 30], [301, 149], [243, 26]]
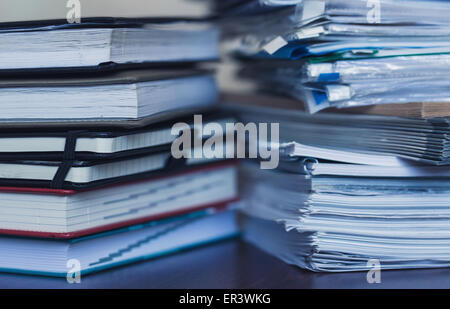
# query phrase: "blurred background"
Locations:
[[18, 10]]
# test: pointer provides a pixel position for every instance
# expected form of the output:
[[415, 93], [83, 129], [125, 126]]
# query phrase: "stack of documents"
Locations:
[[332, 53], [422, 140], [357, 189], [349, 189], [87, 175], [332, 216]]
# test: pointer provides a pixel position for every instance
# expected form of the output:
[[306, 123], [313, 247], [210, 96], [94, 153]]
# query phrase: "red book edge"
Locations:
[[220, 205]]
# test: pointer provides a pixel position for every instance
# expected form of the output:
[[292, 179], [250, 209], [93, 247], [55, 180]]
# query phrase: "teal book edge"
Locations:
[[125, 262]]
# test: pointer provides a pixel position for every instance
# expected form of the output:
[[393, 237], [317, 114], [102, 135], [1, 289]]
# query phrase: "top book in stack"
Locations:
[[24, 10], [99, 43]]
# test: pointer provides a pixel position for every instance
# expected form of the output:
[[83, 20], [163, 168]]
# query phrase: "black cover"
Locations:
[[172, 166], [110, 78], [93, 130], [86, 78], [119, 124], [90, 22], [102, 68]]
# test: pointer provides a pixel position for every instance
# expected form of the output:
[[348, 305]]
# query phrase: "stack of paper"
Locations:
[[423, 140], [87, 176], [331, 53], [341, 218], [352, 189]]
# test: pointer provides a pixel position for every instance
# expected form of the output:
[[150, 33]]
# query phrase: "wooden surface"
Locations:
[[408, 110], [230, 264]]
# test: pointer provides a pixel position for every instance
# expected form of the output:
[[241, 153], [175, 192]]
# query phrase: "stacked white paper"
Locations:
[[335, 223]]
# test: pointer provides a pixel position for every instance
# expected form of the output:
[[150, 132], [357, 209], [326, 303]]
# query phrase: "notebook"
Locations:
[[12, 10], [93, 142], [119, 247], [64, 213], [104, 123], [124, 95], [79, 175], [91, 45], [70, 174]]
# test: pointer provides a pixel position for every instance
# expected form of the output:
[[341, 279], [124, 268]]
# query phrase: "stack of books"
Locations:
[[87, 176], [367, 178]]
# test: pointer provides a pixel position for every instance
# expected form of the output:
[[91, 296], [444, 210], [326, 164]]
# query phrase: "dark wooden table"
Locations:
[[230, 264]]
